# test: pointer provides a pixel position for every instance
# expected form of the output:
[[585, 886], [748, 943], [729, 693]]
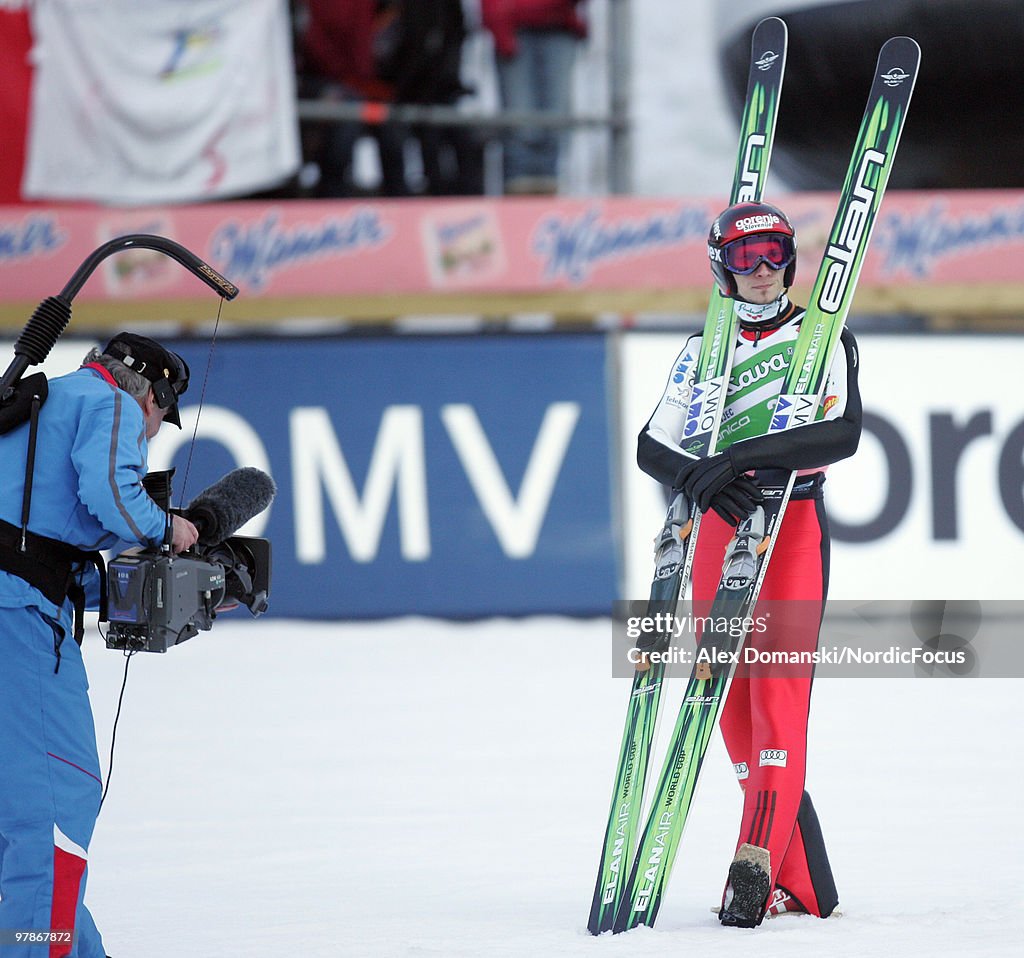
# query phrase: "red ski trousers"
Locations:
[[764, 720]]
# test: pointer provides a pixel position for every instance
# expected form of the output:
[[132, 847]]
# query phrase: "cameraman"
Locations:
[[84, 494]]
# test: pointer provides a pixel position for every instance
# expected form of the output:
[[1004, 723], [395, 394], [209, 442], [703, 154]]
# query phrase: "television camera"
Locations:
[[156, 599]]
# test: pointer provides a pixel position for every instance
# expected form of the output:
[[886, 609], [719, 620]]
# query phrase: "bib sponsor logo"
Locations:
[[773, 756], [734, 425], [742, 770], [783, 410], [759, 371], [704, 406], [805, 410]]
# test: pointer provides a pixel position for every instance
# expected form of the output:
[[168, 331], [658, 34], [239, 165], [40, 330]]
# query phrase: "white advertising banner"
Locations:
[[145, 101], [932, 504]]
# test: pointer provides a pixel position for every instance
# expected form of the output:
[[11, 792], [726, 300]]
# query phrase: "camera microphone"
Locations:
[[221, 510]]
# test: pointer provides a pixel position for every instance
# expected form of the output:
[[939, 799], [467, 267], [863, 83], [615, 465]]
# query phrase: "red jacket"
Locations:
[[338, 45], [504, 17]]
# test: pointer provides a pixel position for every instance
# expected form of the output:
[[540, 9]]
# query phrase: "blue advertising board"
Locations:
[[442, 475]]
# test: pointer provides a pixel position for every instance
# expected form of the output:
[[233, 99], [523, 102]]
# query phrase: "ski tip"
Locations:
[[773, 29], [901, 46], [768, 45], [898, 61], [901, 40]]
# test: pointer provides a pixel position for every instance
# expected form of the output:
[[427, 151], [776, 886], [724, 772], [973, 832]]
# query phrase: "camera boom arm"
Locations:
[[53, 314]]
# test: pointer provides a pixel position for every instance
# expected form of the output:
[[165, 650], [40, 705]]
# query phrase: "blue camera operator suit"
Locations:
[[86, 493]]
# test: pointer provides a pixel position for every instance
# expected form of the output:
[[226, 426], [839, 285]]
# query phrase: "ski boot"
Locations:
[[750, 880]]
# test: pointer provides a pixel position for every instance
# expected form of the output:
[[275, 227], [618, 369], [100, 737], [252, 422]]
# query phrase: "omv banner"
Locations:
[[443, 476]]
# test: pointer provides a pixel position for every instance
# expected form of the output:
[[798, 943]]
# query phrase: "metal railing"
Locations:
[[615, 121]]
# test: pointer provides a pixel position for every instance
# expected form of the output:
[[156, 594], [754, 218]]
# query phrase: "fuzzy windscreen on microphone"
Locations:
[[221, 510]]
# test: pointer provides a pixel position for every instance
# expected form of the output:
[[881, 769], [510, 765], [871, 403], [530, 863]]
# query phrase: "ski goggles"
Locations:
[[745, 254]]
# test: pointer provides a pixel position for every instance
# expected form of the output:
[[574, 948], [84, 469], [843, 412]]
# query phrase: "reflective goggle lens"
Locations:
[[745, 254]]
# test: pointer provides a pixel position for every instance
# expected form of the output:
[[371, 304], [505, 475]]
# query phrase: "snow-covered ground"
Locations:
[[420, 788]]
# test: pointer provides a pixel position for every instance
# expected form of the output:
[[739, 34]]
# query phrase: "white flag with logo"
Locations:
[[153, 101]]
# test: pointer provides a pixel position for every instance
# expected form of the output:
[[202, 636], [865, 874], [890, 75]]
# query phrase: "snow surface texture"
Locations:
[[418, 788]]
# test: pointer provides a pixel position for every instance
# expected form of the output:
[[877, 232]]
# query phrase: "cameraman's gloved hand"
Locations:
[[716, 483], [184, 535]]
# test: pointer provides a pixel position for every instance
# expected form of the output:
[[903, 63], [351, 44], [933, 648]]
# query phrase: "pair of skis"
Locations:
[[633, 872], [673, 552]]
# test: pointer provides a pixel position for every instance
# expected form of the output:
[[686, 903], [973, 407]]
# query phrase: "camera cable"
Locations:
[[113, 732]]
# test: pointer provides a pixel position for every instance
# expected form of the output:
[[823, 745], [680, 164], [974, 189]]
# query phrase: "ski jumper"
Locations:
[[764, 719], [87, 492]]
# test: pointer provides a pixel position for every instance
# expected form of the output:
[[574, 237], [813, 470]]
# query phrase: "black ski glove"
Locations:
[[737, 500], [705, 481]]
